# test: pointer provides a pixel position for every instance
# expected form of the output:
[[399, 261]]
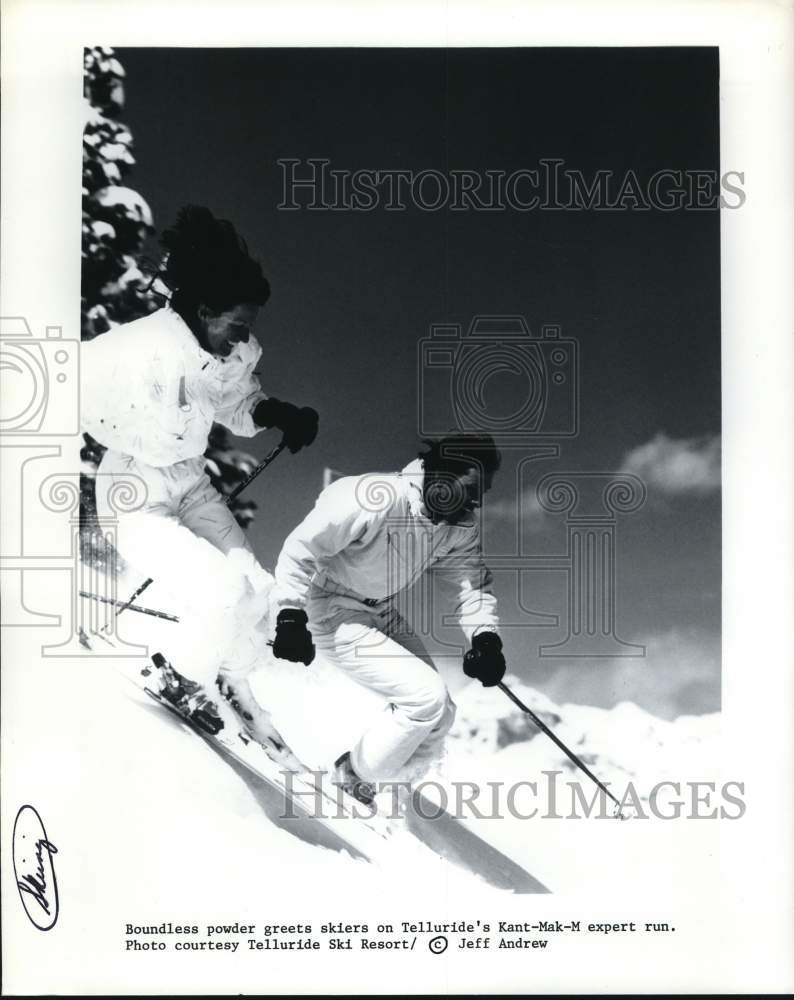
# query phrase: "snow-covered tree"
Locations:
[[116, 219]]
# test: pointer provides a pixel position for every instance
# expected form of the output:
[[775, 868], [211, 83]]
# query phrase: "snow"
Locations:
[[624, 746], [174, 783], [621, 744], [172, 775], [133, 205]]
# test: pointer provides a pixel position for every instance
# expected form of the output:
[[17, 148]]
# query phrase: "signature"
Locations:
[[35, 873]]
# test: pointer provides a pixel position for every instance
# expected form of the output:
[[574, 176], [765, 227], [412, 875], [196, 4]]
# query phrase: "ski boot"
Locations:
[[187, 696], [346, 778], [233, 709]]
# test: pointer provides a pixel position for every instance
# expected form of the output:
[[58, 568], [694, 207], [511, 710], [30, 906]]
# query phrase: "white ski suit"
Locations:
[[150, 394], [366, 540]]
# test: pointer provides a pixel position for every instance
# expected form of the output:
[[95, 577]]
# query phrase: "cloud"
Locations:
[[679, 675], [677, 466], [531, 516], [668, 466]]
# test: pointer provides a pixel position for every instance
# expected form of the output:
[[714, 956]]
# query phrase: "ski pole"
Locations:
[[568, 753], [123, 605], [232, 496], [260, 468], [128, 605]]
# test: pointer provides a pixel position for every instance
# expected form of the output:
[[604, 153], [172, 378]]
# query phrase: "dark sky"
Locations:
[[354, 292]]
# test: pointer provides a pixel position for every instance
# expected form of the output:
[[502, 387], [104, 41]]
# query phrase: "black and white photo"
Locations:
[[395, 521]]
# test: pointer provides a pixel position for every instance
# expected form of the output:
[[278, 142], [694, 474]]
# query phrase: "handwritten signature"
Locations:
[[34, 870]]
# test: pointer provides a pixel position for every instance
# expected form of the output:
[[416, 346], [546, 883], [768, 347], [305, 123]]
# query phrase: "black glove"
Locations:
[[484, 660], [299, 423], [293, 640]]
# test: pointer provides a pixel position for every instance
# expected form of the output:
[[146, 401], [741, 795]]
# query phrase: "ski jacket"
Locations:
[[370, 535], [151, 391]]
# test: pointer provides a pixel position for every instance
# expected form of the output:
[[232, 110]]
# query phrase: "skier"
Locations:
[[338, 575], [152, 389]]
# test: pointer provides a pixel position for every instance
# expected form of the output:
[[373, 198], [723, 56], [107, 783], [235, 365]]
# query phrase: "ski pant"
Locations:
[[204, 571], [373, 644]]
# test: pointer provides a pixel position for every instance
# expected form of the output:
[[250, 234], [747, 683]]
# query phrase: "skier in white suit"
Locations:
[[151, 391], [337, 578]]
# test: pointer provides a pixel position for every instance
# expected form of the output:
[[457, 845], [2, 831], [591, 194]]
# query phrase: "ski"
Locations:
[[303, 799], [453, 840], [308, 805], [295, 796]]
